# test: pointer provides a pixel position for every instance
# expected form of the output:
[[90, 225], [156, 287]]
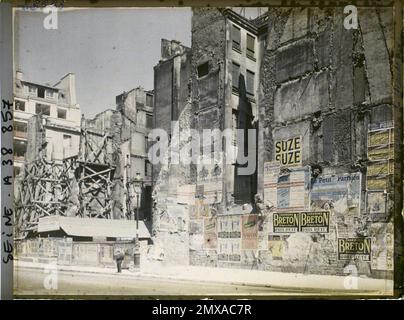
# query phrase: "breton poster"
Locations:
[[354, 248]]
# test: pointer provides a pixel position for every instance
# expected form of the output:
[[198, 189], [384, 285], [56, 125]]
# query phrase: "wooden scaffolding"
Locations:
[[76, 186], [95, 172]]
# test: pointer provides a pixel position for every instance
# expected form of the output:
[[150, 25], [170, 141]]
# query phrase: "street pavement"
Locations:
[[35, 279]]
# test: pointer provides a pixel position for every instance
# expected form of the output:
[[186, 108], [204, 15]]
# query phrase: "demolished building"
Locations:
[[320, 98]]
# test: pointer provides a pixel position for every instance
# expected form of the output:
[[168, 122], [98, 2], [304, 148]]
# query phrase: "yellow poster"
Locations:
[[276, 248], [288, 152]]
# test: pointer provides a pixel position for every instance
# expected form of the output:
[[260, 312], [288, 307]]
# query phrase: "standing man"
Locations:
[[119, 256]]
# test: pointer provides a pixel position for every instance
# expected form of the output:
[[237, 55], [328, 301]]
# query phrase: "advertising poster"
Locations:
[[262, 241], [342, 192], [354, 248], [196, 226], [376, 206], [229, 249], [249, 232], [381, 155], [210, 233], [199, 210], [383, 249], [285, 222], [186, 194], [275, 246], [318, 221], [193, 212], [303, 221], [271, 174], [286, 190], [229, 226], [210, 180], [288, 152]]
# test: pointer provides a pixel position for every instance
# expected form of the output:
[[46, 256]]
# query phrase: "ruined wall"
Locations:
[[325, 149], [326, 108]]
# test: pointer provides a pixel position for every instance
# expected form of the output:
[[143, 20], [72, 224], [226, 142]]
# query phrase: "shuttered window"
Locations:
[[250, 82], [236, 38], [250, 46]]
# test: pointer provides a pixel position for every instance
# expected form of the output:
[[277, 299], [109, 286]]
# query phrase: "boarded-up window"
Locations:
[[250, 46], [235, 75], [250, 82], [236, 38]]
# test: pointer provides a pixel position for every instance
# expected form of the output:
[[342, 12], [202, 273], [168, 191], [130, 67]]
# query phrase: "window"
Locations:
[[20, 129], [20, 148], [250, 82], [250, 46], [67, 141], [61, 113], [203, 69], [41, 92], [32, 90], [149, 121], [147, 168], [49, 94], [235, 75], [236, 38], [19, 105], [42, 109], [149, 100], [139, 105]]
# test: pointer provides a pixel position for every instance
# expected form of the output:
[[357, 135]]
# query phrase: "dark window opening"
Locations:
[[203, 69], [42, 109], [147, 168], [20, 148], [19, 105], [61, 113], [41, 92], [139, 105], [149, 121], [149, 100]]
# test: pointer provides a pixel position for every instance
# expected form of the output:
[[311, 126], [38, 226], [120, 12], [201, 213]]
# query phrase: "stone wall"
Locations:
[[325, 107], [319, 83]]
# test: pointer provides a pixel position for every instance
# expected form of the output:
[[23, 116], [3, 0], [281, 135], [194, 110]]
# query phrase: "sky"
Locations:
[[109, 50]]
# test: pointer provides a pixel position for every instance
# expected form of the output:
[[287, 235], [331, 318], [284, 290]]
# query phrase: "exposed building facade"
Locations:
[[127, 128], [61, 113], [320, 98]]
